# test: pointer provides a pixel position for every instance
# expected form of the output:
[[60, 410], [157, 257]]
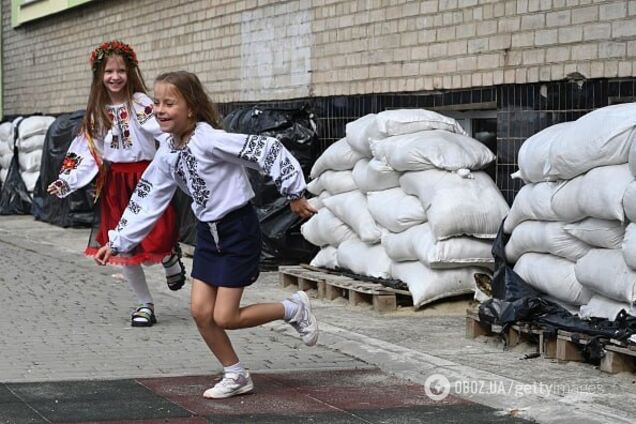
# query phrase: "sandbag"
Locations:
[[324, 228], [364, 259], [33, 125], [533, 202], [360, 131], [368, 178], [395, 210], [455, 205], [30, 161], [30, 179], [597, 232], [629, 201], [606, 272], [336, 182], [554, 276], [628, 246], [533, 166], [327, 257], [600, 138], [352, 209], [544, 237], [428, 285], [34, 142], [315, 187], [337, 157], [602, 307], [7, 133], [418, 243], [407, 121], [597, 194], [432, 149]]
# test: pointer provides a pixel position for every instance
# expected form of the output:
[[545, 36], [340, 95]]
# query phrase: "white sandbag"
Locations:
[[457, 206], [628, 246], [324, 228], [336, 182], [337, 157], [544, 237], [534, 153], [369, 178], [326, 258], [364, 259], [554, 276], [34, 125], [599, 138], [418, 243], [5, 148], [597, 194], [315, 187], [352, 209], [606, 272], [5, 160], [30, 162], [316, 203], [432, 149], [395, 210], [6, 133], [35, 142], [629, 201], [602, 307], [3, 174], [597, 232], [533, 202], [428, 285], [407, 121], [359, 132], [30, 178]]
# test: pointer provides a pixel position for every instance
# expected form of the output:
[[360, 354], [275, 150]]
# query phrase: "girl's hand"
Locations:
[[103, 254], [55, 188], [302, 208]]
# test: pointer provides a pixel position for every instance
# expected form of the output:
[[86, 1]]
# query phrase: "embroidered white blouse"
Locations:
[[211, 170], [130, 139]]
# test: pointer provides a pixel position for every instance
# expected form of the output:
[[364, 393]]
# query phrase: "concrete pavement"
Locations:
[[64, 319]]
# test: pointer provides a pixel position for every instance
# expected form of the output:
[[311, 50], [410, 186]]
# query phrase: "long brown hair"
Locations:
[[190, 87], [96, 121]]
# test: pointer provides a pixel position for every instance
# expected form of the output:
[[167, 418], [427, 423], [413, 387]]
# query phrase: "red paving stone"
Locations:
[[299, 392]]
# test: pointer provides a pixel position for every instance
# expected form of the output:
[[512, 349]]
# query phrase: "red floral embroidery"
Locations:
[[70, 162]]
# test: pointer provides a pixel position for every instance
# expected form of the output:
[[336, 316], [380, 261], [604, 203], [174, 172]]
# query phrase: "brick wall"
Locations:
[[251, 50]]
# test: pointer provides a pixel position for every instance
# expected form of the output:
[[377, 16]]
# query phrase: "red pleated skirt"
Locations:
[[119, 185]]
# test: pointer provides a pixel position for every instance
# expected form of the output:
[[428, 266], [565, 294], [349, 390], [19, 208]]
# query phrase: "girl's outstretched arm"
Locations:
[[78, 169]]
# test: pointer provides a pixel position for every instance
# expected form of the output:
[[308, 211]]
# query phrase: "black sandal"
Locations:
[[144, 316], [175, 281]]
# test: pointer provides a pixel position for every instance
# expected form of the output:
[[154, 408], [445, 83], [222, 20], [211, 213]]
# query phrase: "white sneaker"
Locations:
[[304, 321], [232, 384]]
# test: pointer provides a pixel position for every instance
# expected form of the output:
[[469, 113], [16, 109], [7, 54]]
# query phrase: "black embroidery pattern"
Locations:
[[134, 207], [122, 224], [143, 187], [188, 163], [287, 171], [253, 148], [271, 156]]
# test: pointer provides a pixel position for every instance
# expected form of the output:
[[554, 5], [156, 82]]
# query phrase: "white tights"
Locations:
[[136, 278]]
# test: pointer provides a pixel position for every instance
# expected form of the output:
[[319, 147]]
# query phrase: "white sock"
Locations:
[[136, 278], [290, 309], [173, 269], [235, 369]]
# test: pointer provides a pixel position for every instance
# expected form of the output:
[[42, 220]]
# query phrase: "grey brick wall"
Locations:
[[254, 50]]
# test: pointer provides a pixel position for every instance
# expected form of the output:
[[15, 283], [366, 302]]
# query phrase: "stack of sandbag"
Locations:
[[31, 135], [415, 203], [568, 222], [7, 143]]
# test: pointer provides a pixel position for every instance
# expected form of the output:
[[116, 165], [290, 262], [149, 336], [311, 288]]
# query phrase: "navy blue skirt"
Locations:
[[228, 255]]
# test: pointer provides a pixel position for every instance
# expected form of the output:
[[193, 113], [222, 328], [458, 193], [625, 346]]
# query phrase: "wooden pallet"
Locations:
[[331, 286], [564, 346], [515, 334]]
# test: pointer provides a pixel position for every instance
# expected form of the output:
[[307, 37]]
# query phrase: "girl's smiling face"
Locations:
[[172, 112], [115, 78]]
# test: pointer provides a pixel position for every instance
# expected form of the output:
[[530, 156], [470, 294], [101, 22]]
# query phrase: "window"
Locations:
[[23, 11]]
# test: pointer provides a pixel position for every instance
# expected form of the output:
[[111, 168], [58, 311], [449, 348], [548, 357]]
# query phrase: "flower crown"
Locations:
[[112, 47]]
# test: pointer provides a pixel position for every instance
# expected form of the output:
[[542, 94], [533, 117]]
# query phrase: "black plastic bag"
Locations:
[[14, 197], [77, 209]]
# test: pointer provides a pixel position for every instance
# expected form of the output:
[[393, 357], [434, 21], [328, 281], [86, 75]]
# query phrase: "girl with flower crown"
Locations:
[[116, 142]]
